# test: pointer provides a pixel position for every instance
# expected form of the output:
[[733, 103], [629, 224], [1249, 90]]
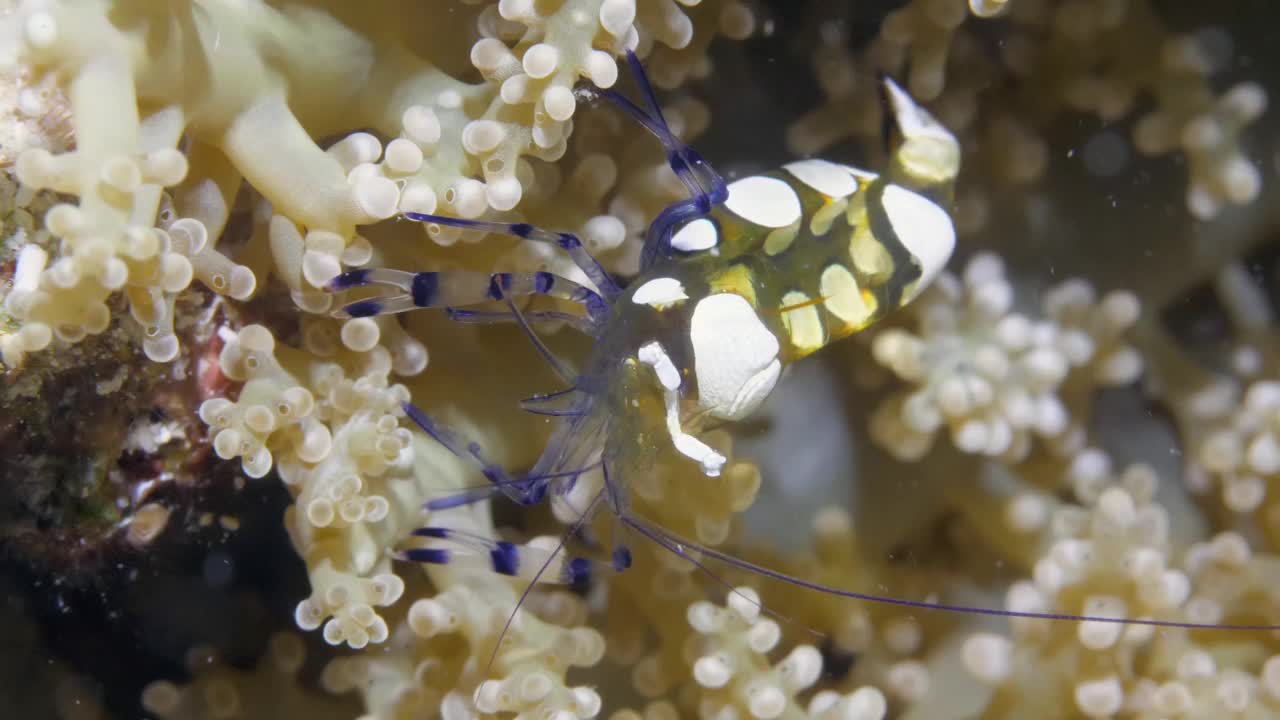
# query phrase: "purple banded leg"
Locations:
[[706, 188], [705, 185], [567, 241], [612, 495], [446, 289], [689, 166], [469, 550], [529, 489], [538, 564], [525, 491], [544, 565]]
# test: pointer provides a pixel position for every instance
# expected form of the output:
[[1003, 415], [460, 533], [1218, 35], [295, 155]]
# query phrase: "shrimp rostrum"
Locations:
[[736, 282]]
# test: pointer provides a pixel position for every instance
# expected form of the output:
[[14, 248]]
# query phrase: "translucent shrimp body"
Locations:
[[737, 282], [791, 261]]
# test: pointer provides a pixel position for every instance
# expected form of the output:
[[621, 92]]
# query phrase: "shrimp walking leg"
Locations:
[[525, 491], [505, 558], [455, 288], [569, 242], [706, 187]]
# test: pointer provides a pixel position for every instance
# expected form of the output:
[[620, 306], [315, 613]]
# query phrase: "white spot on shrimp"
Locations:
[[653, 355], [660, 293], [842, 296], [701, 234], [825, 177], [802, 322], [735, 356], [923, 228], [765, 201]]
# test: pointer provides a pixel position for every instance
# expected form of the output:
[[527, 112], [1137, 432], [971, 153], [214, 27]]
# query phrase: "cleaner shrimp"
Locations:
[[736, 282]]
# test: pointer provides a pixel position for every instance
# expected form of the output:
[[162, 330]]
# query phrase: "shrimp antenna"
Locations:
[[682, 547], [557, 365], [665, 541], [622, 556]]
